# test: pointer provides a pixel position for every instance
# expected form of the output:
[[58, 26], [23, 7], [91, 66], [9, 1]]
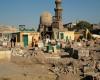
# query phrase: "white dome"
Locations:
[[46, 18]]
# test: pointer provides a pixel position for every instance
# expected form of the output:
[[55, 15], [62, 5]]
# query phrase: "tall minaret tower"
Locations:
[[57, 24], [58, 10], [57, 19]]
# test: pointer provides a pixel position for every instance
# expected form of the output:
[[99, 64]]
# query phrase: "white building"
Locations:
[[6, 33]]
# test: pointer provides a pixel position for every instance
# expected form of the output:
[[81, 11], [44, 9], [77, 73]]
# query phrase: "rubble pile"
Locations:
[[64, 71], [79, 61]]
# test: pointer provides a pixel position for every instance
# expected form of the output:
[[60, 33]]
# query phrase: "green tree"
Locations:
[[83, 25], [32, 29]]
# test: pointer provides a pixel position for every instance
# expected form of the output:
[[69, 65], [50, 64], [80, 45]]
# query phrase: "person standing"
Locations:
[[11, 42], [14, 41]]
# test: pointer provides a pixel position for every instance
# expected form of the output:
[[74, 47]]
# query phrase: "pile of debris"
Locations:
[[64, 71]]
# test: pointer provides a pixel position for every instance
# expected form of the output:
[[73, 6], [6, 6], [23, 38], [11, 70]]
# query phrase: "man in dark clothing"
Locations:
[[14, 41], [11, 41]]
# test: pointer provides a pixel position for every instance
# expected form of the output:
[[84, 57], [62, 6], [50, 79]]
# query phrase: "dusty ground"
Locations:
[[20, 70]]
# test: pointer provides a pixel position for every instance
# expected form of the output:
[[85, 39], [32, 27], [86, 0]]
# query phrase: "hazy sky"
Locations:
[[27, 12]]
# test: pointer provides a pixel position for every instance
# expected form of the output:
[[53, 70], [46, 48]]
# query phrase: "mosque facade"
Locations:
[[49, 26]]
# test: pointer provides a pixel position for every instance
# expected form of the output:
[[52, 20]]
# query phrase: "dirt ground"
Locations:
[[18, 69]]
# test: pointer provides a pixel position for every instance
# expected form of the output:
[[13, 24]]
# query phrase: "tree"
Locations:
[[32, 29], [83, 25], [22, 28]]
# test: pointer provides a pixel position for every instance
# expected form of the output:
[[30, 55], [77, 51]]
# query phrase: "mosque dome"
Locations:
[[46, 19], [58, 0]]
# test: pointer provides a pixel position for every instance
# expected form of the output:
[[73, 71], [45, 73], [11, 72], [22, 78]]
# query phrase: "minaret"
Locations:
[[57, 24], [57, 19], [58, 10]]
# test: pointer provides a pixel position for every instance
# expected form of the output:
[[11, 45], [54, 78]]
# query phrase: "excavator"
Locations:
[[88, 34]]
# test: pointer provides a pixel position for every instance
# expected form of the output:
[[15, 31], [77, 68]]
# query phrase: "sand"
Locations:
[[21, 69]]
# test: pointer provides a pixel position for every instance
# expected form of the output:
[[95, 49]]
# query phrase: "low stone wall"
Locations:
[[5, 55]]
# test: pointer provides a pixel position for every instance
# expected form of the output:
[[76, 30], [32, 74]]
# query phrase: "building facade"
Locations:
[[49, 26], [66, 36], [26, 38]]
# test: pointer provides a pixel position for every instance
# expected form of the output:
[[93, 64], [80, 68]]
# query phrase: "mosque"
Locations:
[[50, 26]]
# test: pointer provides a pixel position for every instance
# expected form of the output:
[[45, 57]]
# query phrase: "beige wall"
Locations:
[[31, 35], [77, 36]]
